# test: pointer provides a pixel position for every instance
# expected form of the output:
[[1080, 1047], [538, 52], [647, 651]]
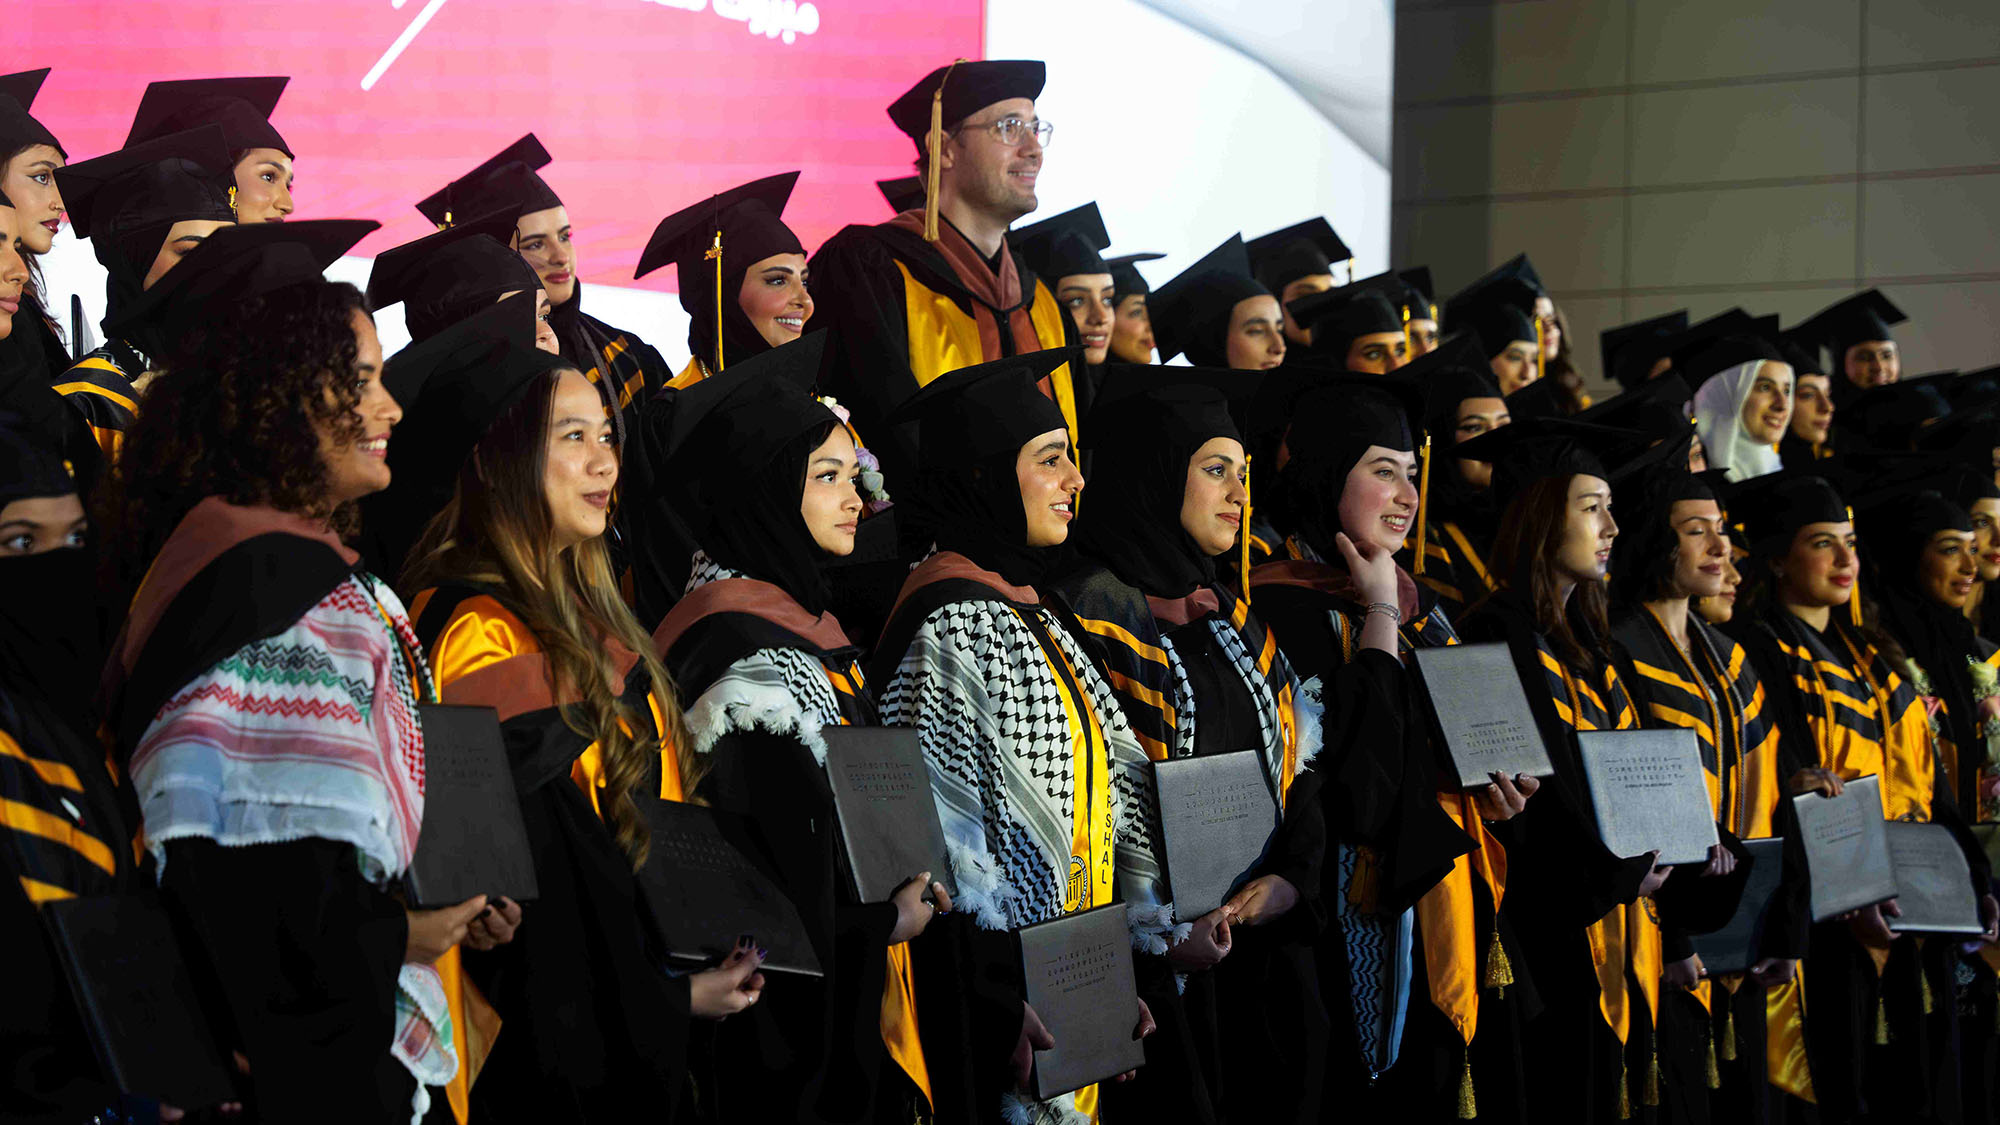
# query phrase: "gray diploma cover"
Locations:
[[888, 818], [472, 840], [1078, 975], [1933, 881], [1847, 848], [1650, 793], [1482, 712], [1217, 813]]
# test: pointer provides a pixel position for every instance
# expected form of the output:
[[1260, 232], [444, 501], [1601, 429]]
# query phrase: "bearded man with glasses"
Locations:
[[937, 287]]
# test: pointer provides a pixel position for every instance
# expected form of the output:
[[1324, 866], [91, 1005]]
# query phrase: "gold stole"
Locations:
[[943, 338], [1450, 923]]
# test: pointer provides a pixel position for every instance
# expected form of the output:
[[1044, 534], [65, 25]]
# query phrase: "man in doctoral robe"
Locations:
[[938, 288]]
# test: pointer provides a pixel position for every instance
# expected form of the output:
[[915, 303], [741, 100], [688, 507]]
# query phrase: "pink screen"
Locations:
[[646, 105]]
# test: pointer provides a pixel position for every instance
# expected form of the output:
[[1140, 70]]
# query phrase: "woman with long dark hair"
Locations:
[[513, 596], [33, 352], [1593, 1052], [1870, 1036], [308, 789]]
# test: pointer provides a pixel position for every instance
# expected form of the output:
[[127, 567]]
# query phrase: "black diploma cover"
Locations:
[[472, 840], [705, 891]]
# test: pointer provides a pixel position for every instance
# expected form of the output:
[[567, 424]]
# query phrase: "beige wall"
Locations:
[[1655, 154]]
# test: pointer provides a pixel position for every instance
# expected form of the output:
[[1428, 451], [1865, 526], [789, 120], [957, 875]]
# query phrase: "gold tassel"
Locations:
[[1924, 980], [1729, 1032], [1423, 505], [715, 254], [1881, 1023], [1409, 341], [1364, 892], [1499, 970], [1854, 599], [1243, 536], [1714, 1071], [1624, 1091], [1651, 1094], [934, 149], [1468, 1107], [232, 200], [1541, 368]]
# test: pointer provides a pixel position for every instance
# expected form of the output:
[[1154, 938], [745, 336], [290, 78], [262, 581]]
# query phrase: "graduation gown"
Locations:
[[589, 1028], [65, 833], [623, 366], [904, 311], [303, 975], [1243, 1040], [1461, 988], [100, 387], [1455, 565], [1590, 943], [32, 361], [1715, 1038], [958, 633], [759, 678], [1877, 1041]]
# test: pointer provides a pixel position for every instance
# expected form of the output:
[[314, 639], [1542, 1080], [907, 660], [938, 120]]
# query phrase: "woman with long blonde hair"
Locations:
[[514, 599]]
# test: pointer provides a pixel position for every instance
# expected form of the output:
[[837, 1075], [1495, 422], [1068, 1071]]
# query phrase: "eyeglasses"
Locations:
[[1013, 131]]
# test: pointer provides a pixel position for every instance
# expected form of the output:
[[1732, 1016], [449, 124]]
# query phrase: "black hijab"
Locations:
[[743, 226], [1140, 448], [971, 425], [1333, 425]]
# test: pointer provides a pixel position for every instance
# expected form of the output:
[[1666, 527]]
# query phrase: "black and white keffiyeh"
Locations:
[[774, 690]]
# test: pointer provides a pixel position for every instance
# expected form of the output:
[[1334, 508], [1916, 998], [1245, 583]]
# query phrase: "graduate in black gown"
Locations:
[[1003, 695], [1876, 1047], [1584, 919], [1358, 327], [763, 667], [1218, 315], [1131, 294], [143, 209], [260, 159], [452, 274], [1423, 1015], [1855, 335], [623, 366], [1197, 673], [68, 828], [279, 810], [1296, 261], [1461, 513]]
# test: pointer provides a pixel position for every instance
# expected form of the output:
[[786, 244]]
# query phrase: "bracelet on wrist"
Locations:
[[1393, 613]]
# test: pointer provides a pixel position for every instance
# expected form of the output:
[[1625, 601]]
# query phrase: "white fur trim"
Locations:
[[1153, 928], [1019, 1109], [982, 893], [732, 706], [1308, 713]]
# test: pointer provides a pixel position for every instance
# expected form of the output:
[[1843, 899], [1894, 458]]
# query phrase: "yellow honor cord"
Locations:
[[934, 151], [1423, 502], [715, 253], [1541, 368], [1243, 536]]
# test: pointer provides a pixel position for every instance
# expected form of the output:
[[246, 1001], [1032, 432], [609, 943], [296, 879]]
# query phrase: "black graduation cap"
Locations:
[[454, 386], [505, 182], [1359, 410], [1802, 352], [1630, 350], [241, 106], [743, 417], [905, 193], [1458, 353], [1499, 310], [968, 88], [1971, 431], [234, 264], [1972, 387], [1773, 507], [1721, 345], [1656, 407], [175, 178], [749, 218], [1533, 449], [964, 417], [1149, 402], [1192, 311], [1336, 316], [1517, 268], [1064, 245], [1125, 278], [1965, 484], [1892, 416], [1283, 256], [30, 467], [1543, 398], [1422, 292], [18, 128], [448, 275], [1853, 320]]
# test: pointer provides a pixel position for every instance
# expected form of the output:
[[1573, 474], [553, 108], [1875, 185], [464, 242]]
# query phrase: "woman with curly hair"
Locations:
[[514, 599], [264, 693]]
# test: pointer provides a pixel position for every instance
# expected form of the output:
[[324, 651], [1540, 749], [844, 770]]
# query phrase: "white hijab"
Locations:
[[1718, 416]]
